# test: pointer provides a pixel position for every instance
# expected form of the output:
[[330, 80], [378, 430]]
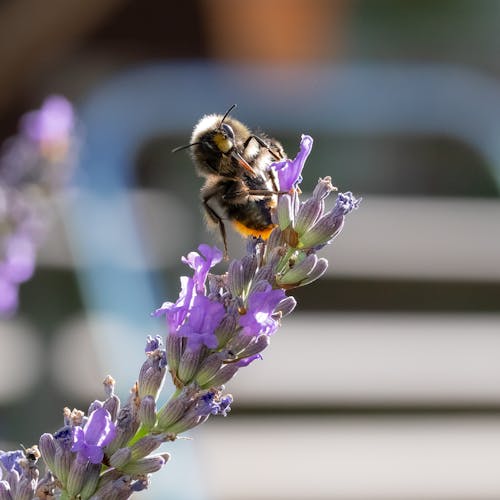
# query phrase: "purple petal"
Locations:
[[78, 439], [8, 296], [94, 454], [52, 122], [201, 264], [289, 171], [246, 361], [258, 318], [204, 317], [10, 460], [19, 263], [345, 203], [99, 429], [153, 343], [176, 312]]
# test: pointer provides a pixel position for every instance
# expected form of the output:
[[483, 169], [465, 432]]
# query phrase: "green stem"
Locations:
[[141, 432]]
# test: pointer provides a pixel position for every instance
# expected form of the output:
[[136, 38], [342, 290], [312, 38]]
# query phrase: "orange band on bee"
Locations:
[[258, 233]]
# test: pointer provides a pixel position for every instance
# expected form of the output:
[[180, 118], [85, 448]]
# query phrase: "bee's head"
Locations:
[[215, 147]]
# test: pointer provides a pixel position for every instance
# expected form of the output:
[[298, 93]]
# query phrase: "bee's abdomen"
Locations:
[[252, 218]]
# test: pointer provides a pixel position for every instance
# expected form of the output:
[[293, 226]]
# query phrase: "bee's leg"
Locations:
[[265, 192], [216, 219], [264, 144], [274, 180]]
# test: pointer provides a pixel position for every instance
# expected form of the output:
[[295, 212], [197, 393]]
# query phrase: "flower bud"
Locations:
[[112, 485], [140, 484], [284, 212], [318, 271], [127, 424], [25, 488], [320, 234], [147, 412], [5, 491], [264, 276], [323, 188], [188, 421], [112, 404], [91, 480], [120, 457], [226, 373], [255, 347], [109, 386], [94, 406], [309, 212], [62, 464], [208, 368], [238, 343], [275, 240], [48, 449], [235, 278], [294, 275], [227, 327], [174, 351], [146, 465], [249, 265], [188, 365], [328, 226], [145, 446], [76, 477], [107, 478], [286, 306], [151, 375], [171, 412]]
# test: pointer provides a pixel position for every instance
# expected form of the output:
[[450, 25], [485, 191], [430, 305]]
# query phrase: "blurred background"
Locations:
[[385, 383]]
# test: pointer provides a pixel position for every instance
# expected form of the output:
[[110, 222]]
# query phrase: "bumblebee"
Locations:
[[239, 185]]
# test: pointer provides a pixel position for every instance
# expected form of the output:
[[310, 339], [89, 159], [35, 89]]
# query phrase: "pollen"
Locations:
[[222, 142]]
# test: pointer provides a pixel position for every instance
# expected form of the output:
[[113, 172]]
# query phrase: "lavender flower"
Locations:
[[205, 316], [98, 432], [218, 325], [259, 317], [290, 171], [9, 460], [33, 166], [19, 474]]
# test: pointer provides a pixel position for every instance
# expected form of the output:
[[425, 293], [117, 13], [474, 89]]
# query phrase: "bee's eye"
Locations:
[[227, 130]]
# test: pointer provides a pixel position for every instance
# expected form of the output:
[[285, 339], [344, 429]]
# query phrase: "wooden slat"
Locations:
[[386, 238], [421, 238], [350, 459], [404, 359]]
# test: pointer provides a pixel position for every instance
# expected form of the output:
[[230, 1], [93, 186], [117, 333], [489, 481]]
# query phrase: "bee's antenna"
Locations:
[[227, 112], [180, 148]]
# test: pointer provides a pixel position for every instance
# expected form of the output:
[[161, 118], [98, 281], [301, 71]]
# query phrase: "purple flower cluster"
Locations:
[[218, 325], [33, 165], [221, 323], [93, 457], [19, 475]]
